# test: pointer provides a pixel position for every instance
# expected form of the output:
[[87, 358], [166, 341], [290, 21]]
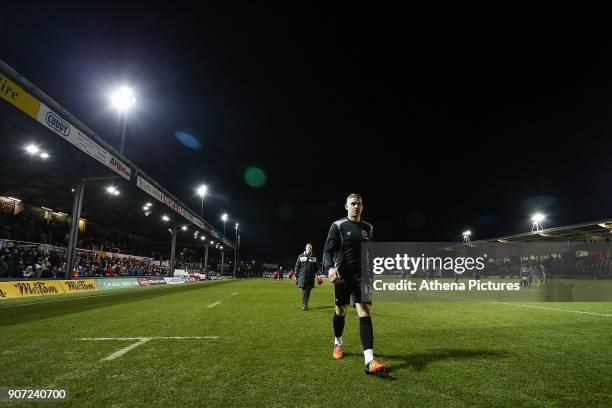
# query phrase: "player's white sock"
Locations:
[[368, 355], [338, 341]]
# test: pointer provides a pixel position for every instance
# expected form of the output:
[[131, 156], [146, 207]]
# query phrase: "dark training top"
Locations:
[[306, 268], [343, 247]]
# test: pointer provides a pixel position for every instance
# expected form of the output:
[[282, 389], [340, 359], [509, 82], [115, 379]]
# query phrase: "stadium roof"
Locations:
[[577, 232], [27, 116], [589, 231]]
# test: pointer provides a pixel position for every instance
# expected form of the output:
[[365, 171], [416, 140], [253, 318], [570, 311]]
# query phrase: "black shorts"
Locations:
[[344, 289]]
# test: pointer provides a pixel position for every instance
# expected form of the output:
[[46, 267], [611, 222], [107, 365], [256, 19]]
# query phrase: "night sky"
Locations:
[[442, 119]]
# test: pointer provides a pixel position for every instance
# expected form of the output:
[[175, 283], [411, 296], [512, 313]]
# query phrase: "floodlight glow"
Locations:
[[236, 225], [467, 233], [184, 228], [537, 218], [166, 218], [44, 155], [212, 242], [116, 192], [145, 208], [202, 237], [224, 217], [148, 204], [32, 149], [112, 190], [201, 191], [123, 99], [221, 247]]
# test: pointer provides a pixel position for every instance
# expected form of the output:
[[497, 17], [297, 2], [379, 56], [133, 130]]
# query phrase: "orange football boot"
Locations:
[[374, 367], [338, 352]]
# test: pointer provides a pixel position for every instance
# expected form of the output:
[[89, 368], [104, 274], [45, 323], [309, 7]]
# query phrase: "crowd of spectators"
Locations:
[[29, 226], [32, 262]]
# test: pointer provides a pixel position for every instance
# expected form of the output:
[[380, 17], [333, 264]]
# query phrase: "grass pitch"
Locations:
[[270, 353]]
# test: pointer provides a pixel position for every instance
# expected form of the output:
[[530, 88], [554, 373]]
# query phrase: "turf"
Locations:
[[270, 353]]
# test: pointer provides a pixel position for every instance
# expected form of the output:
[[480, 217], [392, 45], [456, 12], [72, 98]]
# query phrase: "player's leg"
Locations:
[[366, 331], [306, 297], [342, 299], [338, 323]]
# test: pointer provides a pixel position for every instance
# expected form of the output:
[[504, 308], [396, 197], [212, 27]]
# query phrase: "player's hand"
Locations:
[[332, 274]]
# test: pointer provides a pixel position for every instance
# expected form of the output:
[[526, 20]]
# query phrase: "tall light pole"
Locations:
[[201, 191], [77, 206], [224, 219], [202, 238], [466, 236], [123, 99], [235, 250], [222, 259], [206, 258]]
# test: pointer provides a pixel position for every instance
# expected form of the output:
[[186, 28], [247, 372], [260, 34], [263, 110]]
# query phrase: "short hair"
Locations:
[[354, 195], [309, 243]]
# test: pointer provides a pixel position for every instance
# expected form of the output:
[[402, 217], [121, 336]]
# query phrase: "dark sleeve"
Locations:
[[297, 265], [332, 245], [369, 250]]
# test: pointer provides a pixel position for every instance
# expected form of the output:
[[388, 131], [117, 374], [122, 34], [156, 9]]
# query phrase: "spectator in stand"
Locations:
[[28, 272]]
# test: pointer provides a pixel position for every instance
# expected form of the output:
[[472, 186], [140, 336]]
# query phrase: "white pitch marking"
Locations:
[[521, 305], [124, 350], [150, 338], [234, 294], [140, 342], [214, 304], [558, 310]]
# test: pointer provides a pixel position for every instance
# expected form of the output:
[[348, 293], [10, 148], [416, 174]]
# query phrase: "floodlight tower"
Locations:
[[466, 236]]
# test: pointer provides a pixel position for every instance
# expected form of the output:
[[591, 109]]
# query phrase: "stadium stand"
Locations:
[[590, 255], [31, 226], [26, 260]]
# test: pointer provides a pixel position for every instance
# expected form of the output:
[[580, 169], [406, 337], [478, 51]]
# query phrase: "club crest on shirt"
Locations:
[[364, 234]]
